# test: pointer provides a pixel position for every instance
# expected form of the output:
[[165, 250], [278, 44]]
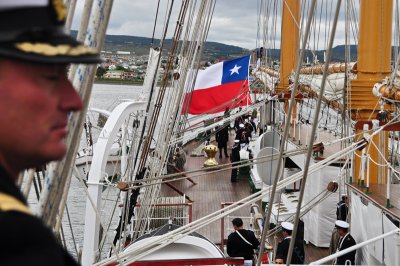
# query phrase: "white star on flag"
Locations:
[[235, 69]]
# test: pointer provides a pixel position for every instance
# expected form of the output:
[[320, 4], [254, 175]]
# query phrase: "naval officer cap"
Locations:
[[241, 125], [33, 30], [341, 224], [287, 226]]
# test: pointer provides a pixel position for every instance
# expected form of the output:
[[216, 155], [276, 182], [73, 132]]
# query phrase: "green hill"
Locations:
[[338, 54], [141, 45], [213, 50]]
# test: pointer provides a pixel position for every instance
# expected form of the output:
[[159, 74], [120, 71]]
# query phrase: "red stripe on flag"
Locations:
[[216, 99]]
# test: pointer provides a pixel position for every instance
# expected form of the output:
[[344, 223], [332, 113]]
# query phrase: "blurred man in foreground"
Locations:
[[35, 101]]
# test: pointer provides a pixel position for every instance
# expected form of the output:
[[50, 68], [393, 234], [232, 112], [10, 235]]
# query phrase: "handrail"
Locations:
[[206, 261], [362, 194], [362, 244]]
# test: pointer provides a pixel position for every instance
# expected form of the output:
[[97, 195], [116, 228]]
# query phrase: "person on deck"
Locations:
[[222, 137], [180, 159], [283, 247], [235, 158], [242, 242], [345, 241], [342, 208], [239, 120], [242, 135], [227, 112], [279, 259], [248, 128], [36, 99]]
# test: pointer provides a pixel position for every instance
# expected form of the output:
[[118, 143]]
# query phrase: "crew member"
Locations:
[[345, 241], [341, 214], [342, 208], [283, 247], [222, 138], [242, 242], [235, 159]]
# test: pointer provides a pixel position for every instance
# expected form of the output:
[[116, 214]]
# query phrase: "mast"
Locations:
[[373, 65], [289, 41], [289, 46]]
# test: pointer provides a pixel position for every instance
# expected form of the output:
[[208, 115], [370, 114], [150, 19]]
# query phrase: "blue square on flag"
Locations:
[[235, 70]]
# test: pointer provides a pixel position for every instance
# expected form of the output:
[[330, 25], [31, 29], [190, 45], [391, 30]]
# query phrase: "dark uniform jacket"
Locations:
[[222, 137], [25, 240], [298, 251], [242, 136], [237, 247], [341, 211], [346, 242], [235, 155]]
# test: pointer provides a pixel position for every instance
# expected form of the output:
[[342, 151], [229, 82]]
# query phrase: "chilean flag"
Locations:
[[219, 86]]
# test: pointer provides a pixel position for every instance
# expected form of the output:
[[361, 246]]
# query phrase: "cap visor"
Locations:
[[58, 48]]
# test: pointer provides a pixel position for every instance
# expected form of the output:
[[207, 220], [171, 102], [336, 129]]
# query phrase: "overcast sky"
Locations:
[[234, 21]]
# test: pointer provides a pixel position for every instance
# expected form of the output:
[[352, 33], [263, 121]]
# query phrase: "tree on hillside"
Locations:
[[121, 68], [100, 72]]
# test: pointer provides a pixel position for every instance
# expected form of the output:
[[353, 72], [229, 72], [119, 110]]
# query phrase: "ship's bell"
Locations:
[[211, 151]]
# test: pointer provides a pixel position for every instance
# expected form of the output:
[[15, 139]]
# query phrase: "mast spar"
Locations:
[[290, 46], [373, 65]]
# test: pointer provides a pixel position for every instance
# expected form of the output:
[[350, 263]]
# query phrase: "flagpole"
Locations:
[[248, 84]]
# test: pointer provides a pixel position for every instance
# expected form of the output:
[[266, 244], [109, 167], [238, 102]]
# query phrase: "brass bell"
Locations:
[[211, 151]]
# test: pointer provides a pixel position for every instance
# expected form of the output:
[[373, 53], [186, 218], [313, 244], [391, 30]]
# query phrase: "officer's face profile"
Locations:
[[40, 100]]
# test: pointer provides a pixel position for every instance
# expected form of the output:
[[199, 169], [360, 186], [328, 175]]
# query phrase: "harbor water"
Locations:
[[104, 96]]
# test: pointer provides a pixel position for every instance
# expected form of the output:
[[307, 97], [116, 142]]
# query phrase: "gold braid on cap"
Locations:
[[60, 10], [54, 50]]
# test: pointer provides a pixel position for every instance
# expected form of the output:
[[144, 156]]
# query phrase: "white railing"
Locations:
[[362, 244]]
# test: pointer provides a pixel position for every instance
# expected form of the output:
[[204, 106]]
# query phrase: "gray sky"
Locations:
[[234, 21]]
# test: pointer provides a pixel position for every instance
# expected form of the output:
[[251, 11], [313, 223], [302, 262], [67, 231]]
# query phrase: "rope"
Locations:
[[286, 131], [155, 23], [217, 169], [60, 172], [172, 111], [93, 205], [174, 235], [328, 56]]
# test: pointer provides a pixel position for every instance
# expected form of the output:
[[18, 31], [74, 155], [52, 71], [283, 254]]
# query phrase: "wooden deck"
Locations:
[[214, 189], [300, 136], [313, 253], [210, 192]]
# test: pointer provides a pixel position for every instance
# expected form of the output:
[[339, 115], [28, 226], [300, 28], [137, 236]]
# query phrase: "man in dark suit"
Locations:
[[36, 99], [222, 137], [345, 241], [235, 158], [283, 247], [242, 242]]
